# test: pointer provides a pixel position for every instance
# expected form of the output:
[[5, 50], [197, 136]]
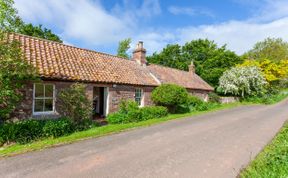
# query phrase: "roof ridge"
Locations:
[[70, 46], [170, 68]]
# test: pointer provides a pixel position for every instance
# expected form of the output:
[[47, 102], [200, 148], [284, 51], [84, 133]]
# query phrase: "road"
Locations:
[[217, 144]]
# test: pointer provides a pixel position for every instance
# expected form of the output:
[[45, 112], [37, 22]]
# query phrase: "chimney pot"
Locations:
[[139, 54]]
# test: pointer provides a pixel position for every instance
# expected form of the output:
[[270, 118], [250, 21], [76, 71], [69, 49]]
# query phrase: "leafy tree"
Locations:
[[274, 49], [39, 31], [11, 22], [74, 104], [171, 56], [272, 71], [170, 96], [123, 47], [14, 74], [9, 19], [242, 81], [210, 60]]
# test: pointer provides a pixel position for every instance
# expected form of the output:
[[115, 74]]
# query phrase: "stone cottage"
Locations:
[[109, 78]]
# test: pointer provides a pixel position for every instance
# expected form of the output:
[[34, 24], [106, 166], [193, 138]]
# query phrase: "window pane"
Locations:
[[39, 90], [38, 105], [49, 91], [48, 105], [138, 101]]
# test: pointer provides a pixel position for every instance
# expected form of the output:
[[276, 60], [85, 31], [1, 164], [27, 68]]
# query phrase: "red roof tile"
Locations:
[[179, 77], [55, 60]]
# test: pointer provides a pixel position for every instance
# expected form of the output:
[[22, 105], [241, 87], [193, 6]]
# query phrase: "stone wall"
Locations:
[[203, 94], [116, 94], [228, 99]]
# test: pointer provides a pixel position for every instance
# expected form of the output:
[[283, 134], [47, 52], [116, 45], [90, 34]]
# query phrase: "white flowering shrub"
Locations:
[[242, 81]]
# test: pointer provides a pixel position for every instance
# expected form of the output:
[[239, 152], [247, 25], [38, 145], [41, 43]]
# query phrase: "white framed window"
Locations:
[[139, 96], [44, 98]]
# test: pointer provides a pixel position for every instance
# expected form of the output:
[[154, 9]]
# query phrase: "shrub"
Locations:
[[242, 81], [130, 112], [74, 104], [170, 95], [152, 112], [57, 128], [117, 118], [22, 131], [14, 73], [214, 98]]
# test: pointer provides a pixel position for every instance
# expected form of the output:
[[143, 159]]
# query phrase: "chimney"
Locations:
[[192, 68], [139, 54]]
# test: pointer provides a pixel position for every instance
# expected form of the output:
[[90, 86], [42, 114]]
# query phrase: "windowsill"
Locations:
[[45, 113]]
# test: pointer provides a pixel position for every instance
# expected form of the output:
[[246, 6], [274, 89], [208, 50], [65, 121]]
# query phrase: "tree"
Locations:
[[274, 49], [123, 47], [9, 19], [242, 81], [14, 74], [210, 60], [272, 71], [74, 104], [11, 22], [39, 31]]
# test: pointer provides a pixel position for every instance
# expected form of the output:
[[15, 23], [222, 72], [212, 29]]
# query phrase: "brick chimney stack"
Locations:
[[139, 54], [192, 68]]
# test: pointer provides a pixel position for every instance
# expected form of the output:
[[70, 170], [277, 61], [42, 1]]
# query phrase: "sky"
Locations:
[[100, 24]]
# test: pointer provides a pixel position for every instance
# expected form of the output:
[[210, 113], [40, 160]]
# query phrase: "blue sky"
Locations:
[[99, 25]]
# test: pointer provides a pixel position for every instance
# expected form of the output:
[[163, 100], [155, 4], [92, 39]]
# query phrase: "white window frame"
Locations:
[[34, 98], [142, 96]]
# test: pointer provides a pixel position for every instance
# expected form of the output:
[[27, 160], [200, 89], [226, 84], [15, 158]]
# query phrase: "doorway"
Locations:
[[100, 102]]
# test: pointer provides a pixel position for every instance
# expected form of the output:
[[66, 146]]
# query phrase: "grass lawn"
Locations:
[[273, 160], [98, 132]]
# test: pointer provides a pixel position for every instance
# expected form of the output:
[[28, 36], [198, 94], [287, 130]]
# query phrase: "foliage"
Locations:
[[74, 104], [152, 112], [269, 97], [214, 97], [14, 74], [9, 19], [169, 95], [271, 70], [57, 128], [11, 22], [242, 81], [273, 49], [130, 112], [39, 31], [124, 45], [29, 130], [210, 60], [272, 161], [21, 132]]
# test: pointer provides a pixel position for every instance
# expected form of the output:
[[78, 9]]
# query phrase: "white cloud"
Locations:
[[88, 22], [239, 36], [190, 11]]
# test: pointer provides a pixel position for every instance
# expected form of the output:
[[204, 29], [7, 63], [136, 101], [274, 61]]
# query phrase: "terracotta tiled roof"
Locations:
[[179, 77], [63, 62], [59, 61]]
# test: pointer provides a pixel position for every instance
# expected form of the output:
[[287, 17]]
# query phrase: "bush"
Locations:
[[74, 104], [29, 130], [170, 95], [117, 118], [214, 98], [152, 112], [57, 128], [130, 112], [242, 81], [22, 131]]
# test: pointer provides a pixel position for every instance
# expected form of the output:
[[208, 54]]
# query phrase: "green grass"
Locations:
[[273, 160], [98, 132]]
